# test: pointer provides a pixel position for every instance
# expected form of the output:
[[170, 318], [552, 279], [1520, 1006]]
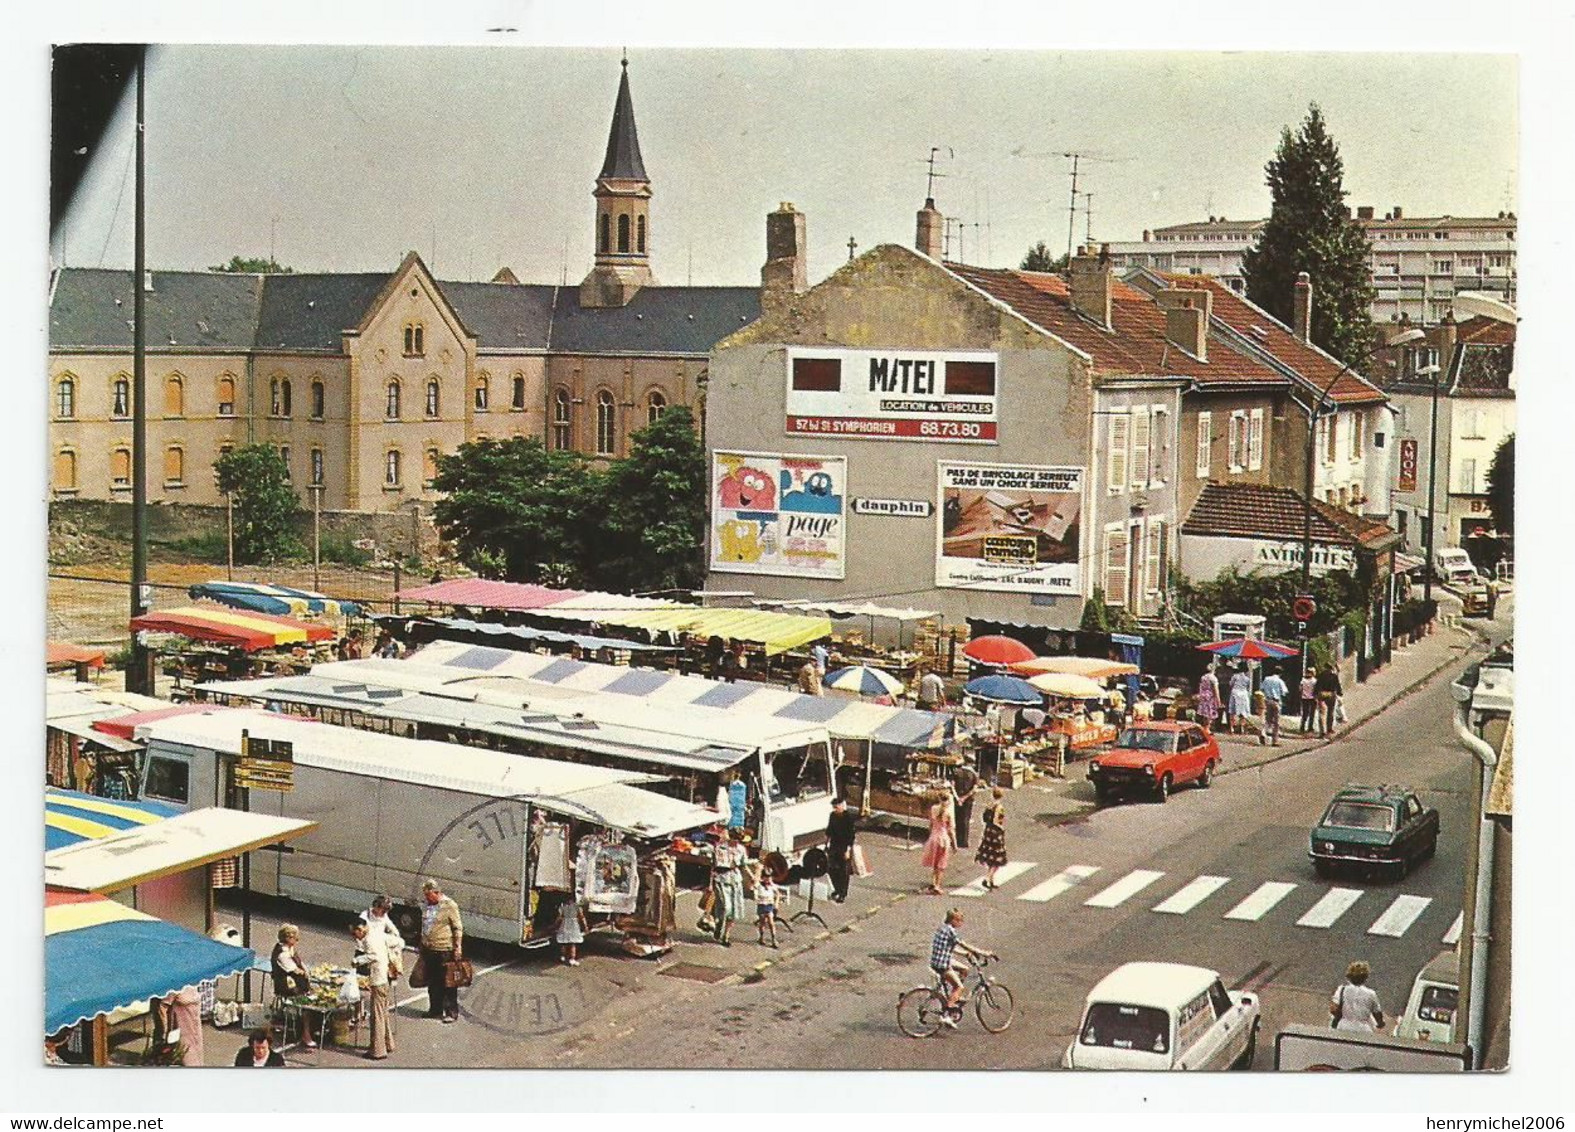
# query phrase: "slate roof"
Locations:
[[1264, 511], [1135, 345], [202, 310], [623, 162]]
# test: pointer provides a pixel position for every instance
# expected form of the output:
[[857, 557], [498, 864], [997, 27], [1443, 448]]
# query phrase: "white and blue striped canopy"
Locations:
[[285, 601]]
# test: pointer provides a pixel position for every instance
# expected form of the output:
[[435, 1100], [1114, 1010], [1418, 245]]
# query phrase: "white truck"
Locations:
[[1453, 566]]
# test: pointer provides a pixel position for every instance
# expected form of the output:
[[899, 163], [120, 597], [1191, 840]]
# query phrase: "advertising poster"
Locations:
[[778, 514], [893, 395], [1407, 466], [1007, 527]]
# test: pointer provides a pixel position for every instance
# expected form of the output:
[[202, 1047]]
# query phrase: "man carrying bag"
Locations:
[[443, 963]]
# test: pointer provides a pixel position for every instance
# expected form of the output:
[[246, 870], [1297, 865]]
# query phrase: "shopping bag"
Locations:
[[418, 973], [458, 973], [861, 865], [349, 989]]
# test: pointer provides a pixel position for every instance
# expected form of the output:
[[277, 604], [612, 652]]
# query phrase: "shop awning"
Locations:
[[460, 629], [1405, 564], [851, 609], [482, 593], [71, 818], [250, 631], [124, 726], [101, 956], [281, 600], [147, 852], [59, 655], [82, 727], [777, 632]]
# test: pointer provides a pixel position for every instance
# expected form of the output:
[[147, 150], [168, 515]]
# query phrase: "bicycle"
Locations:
[[920, 1010]]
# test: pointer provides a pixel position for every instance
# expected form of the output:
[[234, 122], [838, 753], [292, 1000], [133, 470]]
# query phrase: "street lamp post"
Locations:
[[1431, 372]]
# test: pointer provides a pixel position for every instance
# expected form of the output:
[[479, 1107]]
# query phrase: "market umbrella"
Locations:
[[1001, 689], [1093, 667], [1247, 648], [997, 650], [864, 680], [1067, 684]]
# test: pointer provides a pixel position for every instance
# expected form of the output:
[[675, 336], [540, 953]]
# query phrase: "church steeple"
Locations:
[[622, 195]]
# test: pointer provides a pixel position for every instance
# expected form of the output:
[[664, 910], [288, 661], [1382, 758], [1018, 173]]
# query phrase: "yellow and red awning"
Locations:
[[250, 631]]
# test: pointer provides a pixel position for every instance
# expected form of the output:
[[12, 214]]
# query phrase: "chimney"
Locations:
[[786, 270], [1301, 307], [930, 235], [1187, 312], [1397, 212], [1091, 284], [1445, 340], [1365, 212], [1147, 235]]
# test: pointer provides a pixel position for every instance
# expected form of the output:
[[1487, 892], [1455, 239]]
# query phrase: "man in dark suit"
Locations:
[[965, 781], [840, 830]]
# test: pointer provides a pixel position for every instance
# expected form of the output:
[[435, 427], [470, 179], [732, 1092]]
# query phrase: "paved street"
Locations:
[[1216, 877]]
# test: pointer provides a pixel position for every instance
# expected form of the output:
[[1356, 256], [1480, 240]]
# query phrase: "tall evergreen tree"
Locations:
[[1310, 230], [1041, 258]]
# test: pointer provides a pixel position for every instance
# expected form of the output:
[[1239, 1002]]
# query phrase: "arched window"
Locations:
[[434, 398], [391, 410], [639, 234], [517, 401], [391, 468], [174, 397], [276, 398], [284, 397], [655, 406], [226, 396], [120, 398], [65, 470], [284, 456], [174, 466], [562, 419], [120, 468], [429, 466], [623, 233], [606, 433], [317, 466], [604, 234], [66, 406], [415, 340], [483, 388], [319, 400]]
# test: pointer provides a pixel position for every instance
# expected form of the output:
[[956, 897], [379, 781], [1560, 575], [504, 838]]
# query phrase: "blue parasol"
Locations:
[[1003, 690], [864, 680]]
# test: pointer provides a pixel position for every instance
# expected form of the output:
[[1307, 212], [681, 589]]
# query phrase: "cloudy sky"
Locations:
[[341, 158]]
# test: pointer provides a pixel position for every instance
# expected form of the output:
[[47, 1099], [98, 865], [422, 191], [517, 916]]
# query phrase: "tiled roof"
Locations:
[[1136, 343], [1486, 331], [1254, 510], [198, 310], [1315, 368]]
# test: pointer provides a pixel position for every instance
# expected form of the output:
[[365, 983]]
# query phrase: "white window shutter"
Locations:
[[1236, 441], [1115, 565], [1255, 441], [1141, 439], [1154, 575], [1120, 437], [1205, 443], [1160, 441]]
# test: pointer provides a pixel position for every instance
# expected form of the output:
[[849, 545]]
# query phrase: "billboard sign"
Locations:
[[893, 395], [1009, 528], [778, 514], [1407, 466]]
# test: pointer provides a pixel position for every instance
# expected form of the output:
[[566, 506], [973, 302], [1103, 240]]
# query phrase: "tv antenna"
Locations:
[[1077, 159], [929, 184]]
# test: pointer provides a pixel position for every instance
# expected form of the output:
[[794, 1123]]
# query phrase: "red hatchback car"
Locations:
[[1153, 759]]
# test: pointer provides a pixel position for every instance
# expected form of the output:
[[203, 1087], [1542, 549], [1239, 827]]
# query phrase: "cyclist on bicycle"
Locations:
[[944, 963]]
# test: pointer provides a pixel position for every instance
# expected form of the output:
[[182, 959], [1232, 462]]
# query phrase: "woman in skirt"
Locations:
[[942, 840], [992, 850], [571, 931]]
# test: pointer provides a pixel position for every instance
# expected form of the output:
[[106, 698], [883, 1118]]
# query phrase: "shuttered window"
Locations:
[[1237, 441], [1157, 565], [1159, 440], [1255, 440], [1141, 455], [1119, 438], [1116, 565], [1205, 443]]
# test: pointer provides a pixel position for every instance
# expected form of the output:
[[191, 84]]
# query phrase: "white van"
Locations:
[[1164, 1016], [1429, 1014], [1453, 566]]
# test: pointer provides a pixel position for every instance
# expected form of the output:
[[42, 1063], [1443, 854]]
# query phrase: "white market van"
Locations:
[[1429, 1014], [1164, 1016], [1453, 565]]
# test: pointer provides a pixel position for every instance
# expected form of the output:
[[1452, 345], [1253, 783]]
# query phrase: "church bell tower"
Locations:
[[623, 202]]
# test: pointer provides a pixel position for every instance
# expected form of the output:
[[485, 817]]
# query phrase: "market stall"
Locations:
[[286, 601], [232, 643], [76, 753], [76, 659], [71, 818]]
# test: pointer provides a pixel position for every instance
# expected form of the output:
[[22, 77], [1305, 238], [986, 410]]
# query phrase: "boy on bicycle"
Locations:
[[943, 962]]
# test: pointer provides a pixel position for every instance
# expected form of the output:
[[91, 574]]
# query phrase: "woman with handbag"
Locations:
[[442, 947], [727, 881], [1354, 1005]]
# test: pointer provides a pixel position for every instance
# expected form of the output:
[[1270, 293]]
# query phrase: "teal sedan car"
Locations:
[[1377, 830]]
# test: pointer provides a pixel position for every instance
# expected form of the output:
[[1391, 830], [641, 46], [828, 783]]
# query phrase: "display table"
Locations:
[[315, 1013]]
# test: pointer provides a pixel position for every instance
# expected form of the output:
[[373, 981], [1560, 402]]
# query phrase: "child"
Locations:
[[765, 904], [570, 933]]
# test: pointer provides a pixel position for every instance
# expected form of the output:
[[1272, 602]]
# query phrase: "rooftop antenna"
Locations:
[[1088, 218], [563, 268], [929, 184], [1071, 212]]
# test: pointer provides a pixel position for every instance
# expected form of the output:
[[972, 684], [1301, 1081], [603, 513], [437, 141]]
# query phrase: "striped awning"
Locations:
[[70, 817], [101, 956], [250, 631], [284, 601], [777, 632]]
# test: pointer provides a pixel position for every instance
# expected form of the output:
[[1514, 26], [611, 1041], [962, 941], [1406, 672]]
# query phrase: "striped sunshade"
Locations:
[[284, 601], [70, 817], [101, 956], [250, 631]]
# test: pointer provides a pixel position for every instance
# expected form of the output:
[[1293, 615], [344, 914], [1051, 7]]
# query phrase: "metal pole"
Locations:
[[1432, 517], [229, 534], [137, 676]]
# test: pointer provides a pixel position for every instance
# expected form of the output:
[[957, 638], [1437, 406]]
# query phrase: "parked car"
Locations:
[[1453, 566], [1164, 1016], [1429, 1014], [1477, 598], [1377, 829], [1153, 758]]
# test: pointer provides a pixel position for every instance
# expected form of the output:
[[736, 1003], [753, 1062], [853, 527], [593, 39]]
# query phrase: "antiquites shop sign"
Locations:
[[1288, 555]]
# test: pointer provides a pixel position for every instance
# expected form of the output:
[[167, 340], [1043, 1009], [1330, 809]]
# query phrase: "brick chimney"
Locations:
[[1187, 311], [931, 231], [1091, 284], [1446, 335], [786, 270], [1301, 306], [1364, 212]]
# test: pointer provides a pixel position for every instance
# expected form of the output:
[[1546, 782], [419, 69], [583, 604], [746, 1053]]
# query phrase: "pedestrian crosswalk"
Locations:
[[1244, 901]]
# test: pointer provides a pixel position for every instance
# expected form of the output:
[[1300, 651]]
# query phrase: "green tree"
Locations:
[[1337, 594], [253, 266], [257, 480], [1040, 258], [1309, 229], [517, 511], [1501, 486], [652, 525]]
